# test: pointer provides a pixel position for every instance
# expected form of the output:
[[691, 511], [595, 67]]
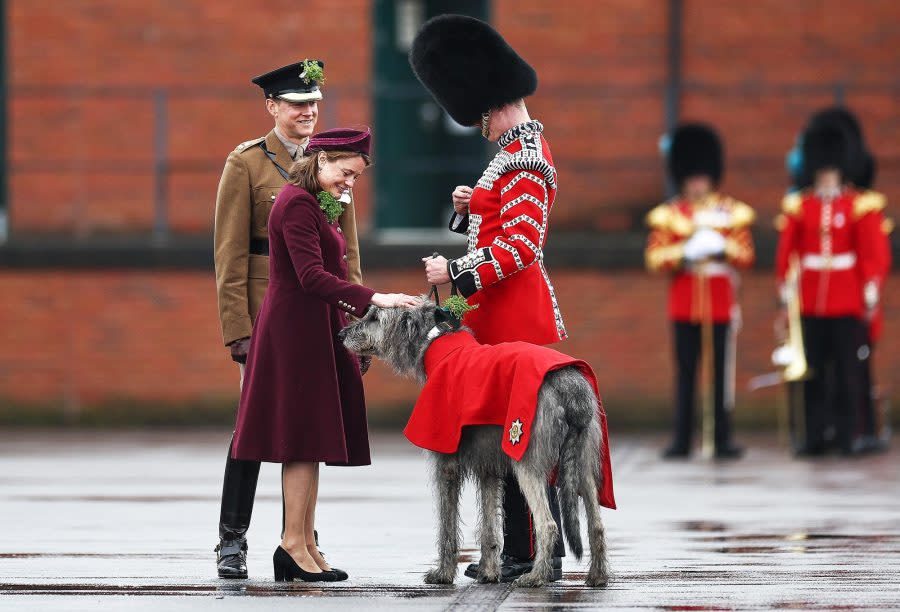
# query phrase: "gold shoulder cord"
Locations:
[[790, 204], [869, 201]]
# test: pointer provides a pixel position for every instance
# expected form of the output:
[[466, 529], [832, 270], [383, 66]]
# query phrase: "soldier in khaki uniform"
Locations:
[[254, 174]]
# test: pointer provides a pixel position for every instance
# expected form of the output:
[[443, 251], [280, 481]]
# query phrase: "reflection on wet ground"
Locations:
[[128, 521], [809, 543], [246, 588]]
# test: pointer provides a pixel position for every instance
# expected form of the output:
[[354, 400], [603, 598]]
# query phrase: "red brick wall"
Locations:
[[757, 70], [82, 74], [76, 340], [81, 116], [602, 69]]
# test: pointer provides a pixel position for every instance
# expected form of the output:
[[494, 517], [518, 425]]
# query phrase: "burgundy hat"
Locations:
[[341, 139]]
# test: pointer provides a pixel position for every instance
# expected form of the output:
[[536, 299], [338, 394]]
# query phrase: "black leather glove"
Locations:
[[239, 350]]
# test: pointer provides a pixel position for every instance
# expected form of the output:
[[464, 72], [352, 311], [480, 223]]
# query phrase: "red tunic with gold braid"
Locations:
[[503, 271], [705, 288], [841, 249]]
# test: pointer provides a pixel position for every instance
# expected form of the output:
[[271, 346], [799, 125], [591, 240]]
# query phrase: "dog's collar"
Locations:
[[440, 328]]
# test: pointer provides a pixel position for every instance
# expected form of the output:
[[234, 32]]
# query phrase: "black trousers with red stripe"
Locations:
[[518, 526]]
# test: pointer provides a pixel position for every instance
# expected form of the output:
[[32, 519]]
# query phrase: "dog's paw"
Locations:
[[439, 576], [597, 579], [530, 581], [486, 576]]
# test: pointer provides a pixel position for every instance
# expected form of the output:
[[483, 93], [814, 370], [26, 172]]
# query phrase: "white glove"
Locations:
[[783, 356], [704, 243], [870, 295]]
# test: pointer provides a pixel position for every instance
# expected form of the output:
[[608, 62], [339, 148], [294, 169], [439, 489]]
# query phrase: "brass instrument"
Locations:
[[790, 358], [794, 363]]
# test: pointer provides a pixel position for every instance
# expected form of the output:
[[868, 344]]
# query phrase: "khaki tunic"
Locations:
[[250, 182]]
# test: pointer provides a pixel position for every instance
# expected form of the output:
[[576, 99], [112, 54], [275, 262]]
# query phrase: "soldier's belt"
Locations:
[[259, 246], [840, 261], [710, 268]]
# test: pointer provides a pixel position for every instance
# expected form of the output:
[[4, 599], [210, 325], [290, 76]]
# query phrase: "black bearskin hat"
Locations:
[[695, 150], [866, 178], [468, 67], [861, 168], [829, 145], [838, 115]]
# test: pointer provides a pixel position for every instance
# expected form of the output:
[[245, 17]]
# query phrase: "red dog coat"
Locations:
[[479, 384]]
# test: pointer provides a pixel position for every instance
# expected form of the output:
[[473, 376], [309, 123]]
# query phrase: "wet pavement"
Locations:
[[127, 521]]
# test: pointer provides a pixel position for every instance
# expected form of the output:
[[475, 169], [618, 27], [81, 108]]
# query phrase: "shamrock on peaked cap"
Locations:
[[468, 67], [341, 139], [298, 82], [695, 149]]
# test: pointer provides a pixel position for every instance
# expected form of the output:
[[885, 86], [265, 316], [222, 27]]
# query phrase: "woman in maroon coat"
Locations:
[[302, 399]]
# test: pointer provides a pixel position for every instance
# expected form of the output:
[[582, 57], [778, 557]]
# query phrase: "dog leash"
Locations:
[[435, 295]]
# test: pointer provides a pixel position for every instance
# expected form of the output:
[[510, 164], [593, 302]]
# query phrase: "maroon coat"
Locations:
[[302, 398]]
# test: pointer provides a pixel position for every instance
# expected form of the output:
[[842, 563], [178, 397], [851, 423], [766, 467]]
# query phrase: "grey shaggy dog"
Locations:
[[565, 433]]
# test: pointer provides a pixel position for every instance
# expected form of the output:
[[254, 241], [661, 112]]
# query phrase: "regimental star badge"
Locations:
[[515, 432]]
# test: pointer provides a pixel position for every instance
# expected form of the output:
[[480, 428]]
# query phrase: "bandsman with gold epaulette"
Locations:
[[833, 231], [254, 174], [701, 238]]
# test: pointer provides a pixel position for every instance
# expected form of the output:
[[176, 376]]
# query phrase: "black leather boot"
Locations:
[[231, 558], [727, 452], [511, 568], [676, 451], [238, 493], [519, 537]]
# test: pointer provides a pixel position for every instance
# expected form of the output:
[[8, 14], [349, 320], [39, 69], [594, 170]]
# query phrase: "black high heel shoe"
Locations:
[[339, 574], [286, 569]]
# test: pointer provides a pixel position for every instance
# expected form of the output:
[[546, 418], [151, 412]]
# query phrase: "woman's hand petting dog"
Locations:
[[394, 300]]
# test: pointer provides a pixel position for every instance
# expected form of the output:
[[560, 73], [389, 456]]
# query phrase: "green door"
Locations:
[[420, 153]]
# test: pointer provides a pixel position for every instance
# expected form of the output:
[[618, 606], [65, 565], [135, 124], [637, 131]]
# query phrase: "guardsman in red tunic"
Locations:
[[869, 438], [834, 231], [700, 238], [480, 80], [507, 226]]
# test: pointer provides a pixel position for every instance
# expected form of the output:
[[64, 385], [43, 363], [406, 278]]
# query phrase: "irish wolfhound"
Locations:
[[565, 432]]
